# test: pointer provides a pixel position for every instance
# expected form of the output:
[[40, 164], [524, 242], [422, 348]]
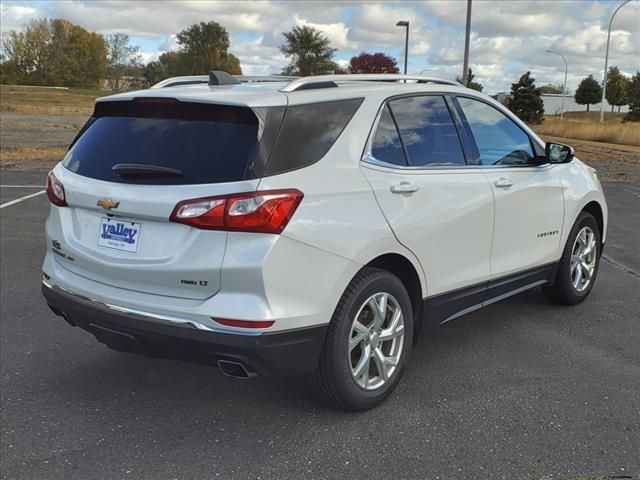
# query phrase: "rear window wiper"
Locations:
[[141, 170]]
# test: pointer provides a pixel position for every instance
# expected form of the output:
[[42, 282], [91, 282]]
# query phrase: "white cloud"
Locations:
[[15, 16], [335, 32], [508, 37], [170, 44]]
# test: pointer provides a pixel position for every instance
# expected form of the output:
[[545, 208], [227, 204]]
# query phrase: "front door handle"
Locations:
[[404, 187], [503, 183]]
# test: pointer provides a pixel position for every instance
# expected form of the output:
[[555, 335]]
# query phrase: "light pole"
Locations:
[[564, 85], [465, 67], [405, 23], [606, 60]]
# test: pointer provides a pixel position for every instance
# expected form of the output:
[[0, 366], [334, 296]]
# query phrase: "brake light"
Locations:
[[155, 100], [264, 212], [55, 191], [244, 323]]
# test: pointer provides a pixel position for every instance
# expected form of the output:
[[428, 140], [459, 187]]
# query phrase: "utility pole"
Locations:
[[564, 85], [405, 23], [606, 61], [465, 71]]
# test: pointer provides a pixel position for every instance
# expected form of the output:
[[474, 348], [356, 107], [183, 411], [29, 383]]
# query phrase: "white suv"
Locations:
[[310, 226]]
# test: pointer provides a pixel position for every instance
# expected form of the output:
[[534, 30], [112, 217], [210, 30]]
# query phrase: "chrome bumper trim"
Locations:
[[149, 316]]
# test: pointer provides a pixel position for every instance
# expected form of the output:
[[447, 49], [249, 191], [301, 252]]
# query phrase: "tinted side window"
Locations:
[[386, 145], [500, 141], [427, 130], [308, 132]]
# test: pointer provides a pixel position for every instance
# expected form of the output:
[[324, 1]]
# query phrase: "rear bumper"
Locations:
[[288, 352]]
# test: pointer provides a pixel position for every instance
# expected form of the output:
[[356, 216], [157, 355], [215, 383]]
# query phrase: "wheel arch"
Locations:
[[595, 209], [406, 271]]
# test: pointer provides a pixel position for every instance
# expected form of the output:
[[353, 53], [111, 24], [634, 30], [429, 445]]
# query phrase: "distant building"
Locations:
[[553, 104]]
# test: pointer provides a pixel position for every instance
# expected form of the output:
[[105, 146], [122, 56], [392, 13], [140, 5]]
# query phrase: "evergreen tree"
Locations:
[[634, 99], [309, 50], [525, 100], [589, 92], [470, 83], [617, 85]]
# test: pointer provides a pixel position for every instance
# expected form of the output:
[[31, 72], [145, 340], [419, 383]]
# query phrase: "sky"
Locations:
[[507, 37]]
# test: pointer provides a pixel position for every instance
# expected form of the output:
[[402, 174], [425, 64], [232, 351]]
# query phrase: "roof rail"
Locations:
[[306, 82], [196, 79], [184, 80], [265, 78]]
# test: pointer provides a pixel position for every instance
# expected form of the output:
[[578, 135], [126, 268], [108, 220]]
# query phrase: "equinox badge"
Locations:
[[107, 203]]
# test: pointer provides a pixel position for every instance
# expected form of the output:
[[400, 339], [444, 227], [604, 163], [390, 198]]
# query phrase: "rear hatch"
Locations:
[[123, 176]]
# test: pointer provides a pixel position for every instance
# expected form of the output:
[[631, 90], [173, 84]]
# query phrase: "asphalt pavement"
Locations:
[[522, 389]]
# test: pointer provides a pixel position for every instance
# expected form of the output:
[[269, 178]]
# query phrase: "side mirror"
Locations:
[[558, 153]]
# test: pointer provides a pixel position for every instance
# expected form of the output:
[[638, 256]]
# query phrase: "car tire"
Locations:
[[577, 261], [345, 377]]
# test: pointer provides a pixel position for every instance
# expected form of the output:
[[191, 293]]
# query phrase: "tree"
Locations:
[[154, 72], [470, 83], [201, 48], [55, 52], [205, 47], [617, 85], [551, 89], [309, 50], [589, 92], [123, 60], [634, 99], [373, 63], [77, 57], [525, 100]]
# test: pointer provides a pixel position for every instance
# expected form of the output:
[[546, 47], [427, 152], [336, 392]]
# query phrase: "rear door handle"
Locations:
[[404, 187], [503, 183]]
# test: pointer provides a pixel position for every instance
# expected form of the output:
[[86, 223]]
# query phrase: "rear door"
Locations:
[[529, 201], [123, 176], [438, 207]]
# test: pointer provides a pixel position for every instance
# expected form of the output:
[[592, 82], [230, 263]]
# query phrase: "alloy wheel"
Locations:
[[583, 259], [375, 341]]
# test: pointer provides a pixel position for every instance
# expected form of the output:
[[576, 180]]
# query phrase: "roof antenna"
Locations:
[[218, 77]]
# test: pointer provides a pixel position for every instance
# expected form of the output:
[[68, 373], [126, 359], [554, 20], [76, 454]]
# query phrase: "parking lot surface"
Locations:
[[522, 389]]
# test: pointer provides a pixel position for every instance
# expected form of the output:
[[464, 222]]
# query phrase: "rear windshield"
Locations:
[[203, 143]]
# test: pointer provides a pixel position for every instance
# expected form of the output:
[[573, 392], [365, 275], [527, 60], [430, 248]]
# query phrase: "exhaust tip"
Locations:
[[62, 314], [235, 369]]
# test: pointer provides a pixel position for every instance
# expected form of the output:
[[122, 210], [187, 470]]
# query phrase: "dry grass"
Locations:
[[47, 101], [586, 127], [10, 155]]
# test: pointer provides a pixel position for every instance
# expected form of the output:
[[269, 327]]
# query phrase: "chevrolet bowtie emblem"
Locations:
[[107, 203]]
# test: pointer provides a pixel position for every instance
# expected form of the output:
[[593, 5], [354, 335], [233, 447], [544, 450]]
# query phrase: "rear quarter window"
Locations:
[[308, 132]]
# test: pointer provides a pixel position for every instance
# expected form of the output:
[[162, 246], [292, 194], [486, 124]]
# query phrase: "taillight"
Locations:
[[55, 191], [264, 212]]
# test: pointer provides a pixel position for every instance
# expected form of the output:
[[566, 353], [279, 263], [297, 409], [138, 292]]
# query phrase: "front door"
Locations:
[[529, 202]]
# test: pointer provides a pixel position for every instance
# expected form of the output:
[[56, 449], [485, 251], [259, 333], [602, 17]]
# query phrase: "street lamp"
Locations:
[[564, 85], [405, 23], [465, 66], [606, 60]]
